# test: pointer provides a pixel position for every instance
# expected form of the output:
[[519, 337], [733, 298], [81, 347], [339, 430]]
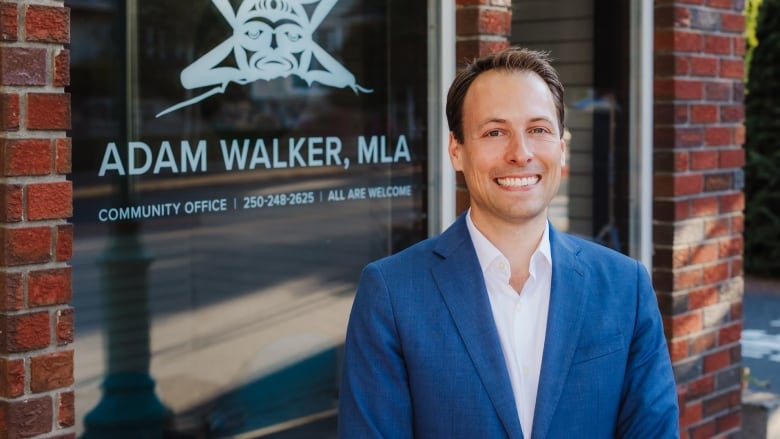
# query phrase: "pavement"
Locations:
[[761, 333]]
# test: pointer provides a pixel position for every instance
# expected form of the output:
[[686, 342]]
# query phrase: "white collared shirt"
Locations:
[[521, 319]]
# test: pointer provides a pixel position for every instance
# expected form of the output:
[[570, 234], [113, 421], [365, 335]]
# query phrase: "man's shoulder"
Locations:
[[589, 250], [413, 255]]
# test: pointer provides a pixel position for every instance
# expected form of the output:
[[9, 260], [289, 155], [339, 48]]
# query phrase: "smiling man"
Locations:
[[502, 326]]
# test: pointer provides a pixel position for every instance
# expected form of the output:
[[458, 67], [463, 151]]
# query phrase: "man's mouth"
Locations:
[[518, 181]]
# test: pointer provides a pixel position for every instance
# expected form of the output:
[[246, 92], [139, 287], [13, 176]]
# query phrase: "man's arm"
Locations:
[[649, 399], [374, 400]]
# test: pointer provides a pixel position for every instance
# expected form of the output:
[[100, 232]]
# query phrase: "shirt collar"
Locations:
[[487, 252]]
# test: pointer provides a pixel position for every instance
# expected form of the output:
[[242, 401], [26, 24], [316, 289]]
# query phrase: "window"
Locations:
[[235, 164]]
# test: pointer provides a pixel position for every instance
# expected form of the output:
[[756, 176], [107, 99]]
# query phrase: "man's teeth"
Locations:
[[518, 182]]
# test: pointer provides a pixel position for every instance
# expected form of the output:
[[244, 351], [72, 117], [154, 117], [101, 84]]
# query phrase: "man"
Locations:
[[503, 327]]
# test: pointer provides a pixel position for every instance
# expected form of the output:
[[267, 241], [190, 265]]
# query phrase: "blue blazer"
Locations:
[[423, 359]]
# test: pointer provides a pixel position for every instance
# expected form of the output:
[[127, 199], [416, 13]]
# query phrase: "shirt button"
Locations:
[[525, 371]]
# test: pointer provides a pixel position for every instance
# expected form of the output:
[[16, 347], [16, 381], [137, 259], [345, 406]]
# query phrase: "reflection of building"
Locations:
[[251, 299]]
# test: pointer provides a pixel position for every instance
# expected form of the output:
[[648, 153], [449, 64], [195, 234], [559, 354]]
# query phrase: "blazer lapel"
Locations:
[[460, 281], [568, 295]]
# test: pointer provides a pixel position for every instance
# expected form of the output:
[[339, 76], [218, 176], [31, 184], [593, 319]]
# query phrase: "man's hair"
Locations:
[[513, 59]]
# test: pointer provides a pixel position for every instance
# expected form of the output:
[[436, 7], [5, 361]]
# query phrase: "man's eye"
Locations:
[[493, 133], [538, 130]]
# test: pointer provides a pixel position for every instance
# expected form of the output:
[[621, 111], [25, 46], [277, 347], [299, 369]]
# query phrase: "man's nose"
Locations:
[[519, 150]]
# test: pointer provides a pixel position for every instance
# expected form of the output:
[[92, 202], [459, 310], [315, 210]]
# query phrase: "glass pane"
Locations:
[[236, 163]]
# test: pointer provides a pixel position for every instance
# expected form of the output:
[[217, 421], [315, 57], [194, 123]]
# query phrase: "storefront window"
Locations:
[[235, 164]]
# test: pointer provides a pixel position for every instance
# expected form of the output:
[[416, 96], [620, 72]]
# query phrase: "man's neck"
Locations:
[[516, 241]]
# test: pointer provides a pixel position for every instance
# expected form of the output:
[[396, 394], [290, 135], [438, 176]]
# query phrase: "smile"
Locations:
[[518, 181]]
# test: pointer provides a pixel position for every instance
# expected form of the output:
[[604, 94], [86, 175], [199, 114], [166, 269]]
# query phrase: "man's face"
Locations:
[[512, 151]]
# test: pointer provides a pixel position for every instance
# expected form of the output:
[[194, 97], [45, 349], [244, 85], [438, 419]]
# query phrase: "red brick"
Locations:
[[62, 159], [739, 46], [717, 361], [62, 68], [736, 310], [665, 210], [668, 113], [702, 297], [717, 136], [731, 247], [25, 157], [690, 414], [21, 246], [678, 349], [51, 371], [25, 332], [11, 202], [48, 111], [716, 273], [704, 431], [717, 44], [9, 22], [11, 291], [678, 41], [27, 417], [730, 334], [678, 89], [732, 203], [707, 159], [63, 242], [66, 410], [717, 227], [736, 267], [685, 324], [49, 287], [704, 206], [9, 111], [718, 182], [703, 343], [732, 22], [671, 16], [737, 222], [64, 329], [721, 403], [739, 135], [732, 69], [701, 387], [483, 21], [701, 66], [704, 113], [703, 253], [49, 200], [11, 378], [670, 65], [721, 4], [22, 66], [687, 184], [732, 113], [687, 278], [729, 421], [47, 24], [717, 91]]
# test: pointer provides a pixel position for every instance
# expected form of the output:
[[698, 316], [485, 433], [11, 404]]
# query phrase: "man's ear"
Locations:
[[563, 153], [455, 152]]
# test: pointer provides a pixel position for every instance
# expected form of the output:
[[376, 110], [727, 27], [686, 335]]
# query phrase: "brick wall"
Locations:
[[481, 27], [698, 203], [36, 320]]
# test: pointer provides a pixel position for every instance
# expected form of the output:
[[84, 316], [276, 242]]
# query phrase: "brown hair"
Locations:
[[510, 59]]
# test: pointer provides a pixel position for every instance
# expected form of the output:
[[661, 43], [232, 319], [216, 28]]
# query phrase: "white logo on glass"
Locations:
[[271, 39]]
